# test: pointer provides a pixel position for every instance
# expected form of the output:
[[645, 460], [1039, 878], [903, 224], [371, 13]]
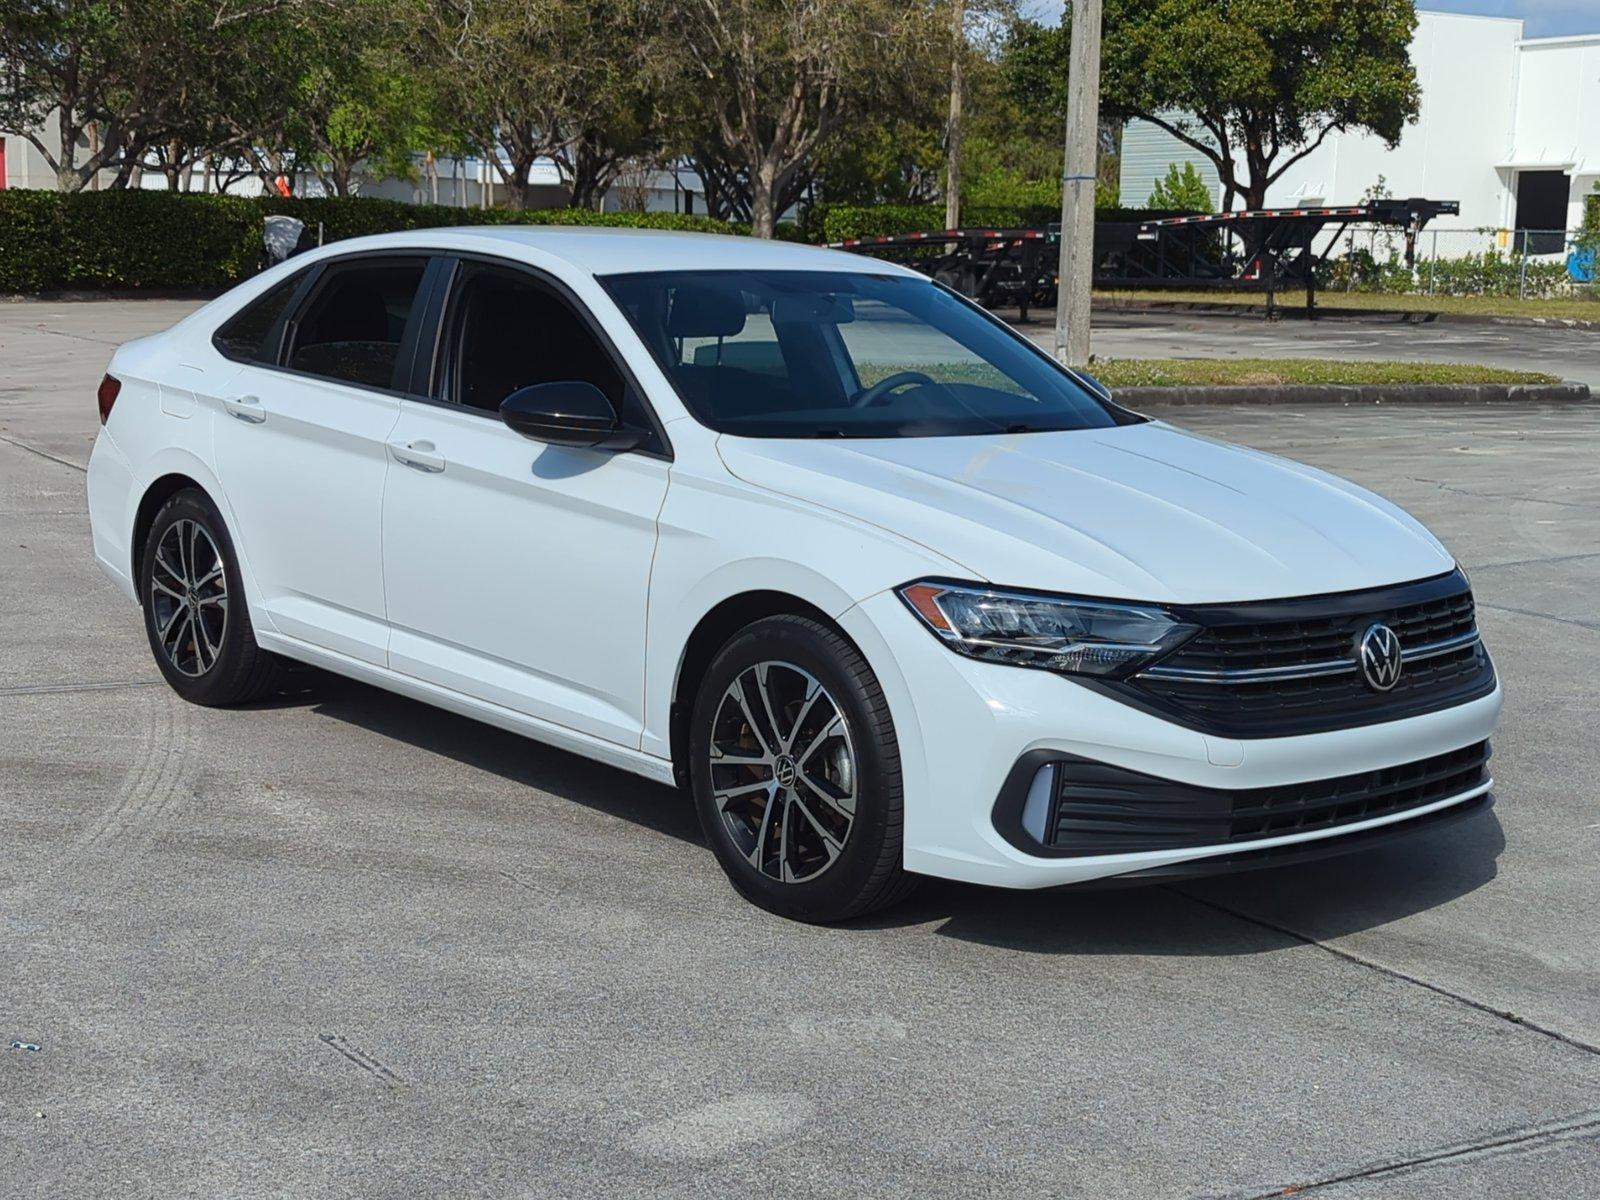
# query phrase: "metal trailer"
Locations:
[[992, 266], [1260, 249], [1266, 249]]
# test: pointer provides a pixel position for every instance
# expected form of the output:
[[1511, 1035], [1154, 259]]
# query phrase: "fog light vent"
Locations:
[[1036, 808]]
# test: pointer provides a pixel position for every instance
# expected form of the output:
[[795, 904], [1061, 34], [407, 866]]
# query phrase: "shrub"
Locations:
[[1492, 273], [1182, 189], [177, 242]]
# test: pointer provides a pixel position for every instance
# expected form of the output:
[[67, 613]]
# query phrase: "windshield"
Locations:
[[841, 354]]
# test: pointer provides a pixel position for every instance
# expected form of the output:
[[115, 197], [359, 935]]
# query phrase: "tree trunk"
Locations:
[[339, 174], [763, 208], [592, 175]]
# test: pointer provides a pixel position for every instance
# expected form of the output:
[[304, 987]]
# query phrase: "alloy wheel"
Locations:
[[189, 598], [783, 771]]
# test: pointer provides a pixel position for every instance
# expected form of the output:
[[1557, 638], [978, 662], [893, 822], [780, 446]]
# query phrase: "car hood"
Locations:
[[1145, 511]]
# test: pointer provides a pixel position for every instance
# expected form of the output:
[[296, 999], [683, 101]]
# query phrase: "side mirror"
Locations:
[[570, 413], [1093, 384]]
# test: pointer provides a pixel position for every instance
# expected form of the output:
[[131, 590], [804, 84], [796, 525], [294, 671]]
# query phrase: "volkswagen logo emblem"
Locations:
[[785, 771], [1379, 652]]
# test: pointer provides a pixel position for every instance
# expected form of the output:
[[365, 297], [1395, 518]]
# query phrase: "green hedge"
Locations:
[[161, 240], [838, 222], [166, 241], [1493, 273]]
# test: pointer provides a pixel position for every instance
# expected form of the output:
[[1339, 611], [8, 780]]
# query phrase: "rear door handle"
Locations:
[[246, 408], [421, 455]]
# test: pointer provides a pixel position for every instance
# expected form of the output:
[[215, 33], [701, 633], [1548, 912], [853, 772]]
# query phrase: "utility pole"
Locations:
[[952, 176], [1077, 185]]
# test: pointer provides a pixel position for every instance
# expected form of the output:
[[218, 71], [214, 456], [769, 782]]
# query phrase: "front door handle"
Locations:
[[246, 408], [421, 455]]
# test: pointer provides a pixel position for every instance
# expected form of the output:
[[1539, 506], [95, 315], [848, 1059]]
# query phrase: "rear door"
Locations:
[[515, 571], [301, 449]]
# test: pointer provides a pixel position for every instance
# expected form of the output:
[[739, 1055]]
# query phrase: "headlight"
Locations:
[[1054, 633]]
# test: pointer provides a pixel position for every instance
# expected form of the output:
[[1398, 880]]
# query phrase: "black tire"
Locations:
[[225, 666], [860, 870]]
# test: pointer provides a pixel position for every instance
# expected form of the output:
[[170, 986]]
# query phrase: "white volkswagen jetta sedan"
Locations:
[[884, 588]]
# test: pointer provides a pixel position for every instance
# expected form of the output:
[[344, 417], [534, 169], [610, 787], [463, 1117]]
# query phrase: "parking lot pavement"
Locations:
[[340, 944], [1570, 353]]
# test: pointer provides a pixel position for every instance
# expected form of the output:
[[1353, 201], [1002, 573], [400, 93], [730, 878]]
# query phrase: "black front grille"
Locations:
[[1201, 685], [1101, 809], [1311, 638]]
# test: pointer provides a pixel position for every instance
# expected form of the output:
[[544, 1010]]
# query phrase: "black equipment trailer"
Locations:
[[995, 267], [1261, 249]]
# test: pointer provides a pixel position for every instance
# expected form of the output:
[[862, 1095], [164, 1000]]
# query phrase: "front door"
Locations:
[[514, 571], [302, 453]]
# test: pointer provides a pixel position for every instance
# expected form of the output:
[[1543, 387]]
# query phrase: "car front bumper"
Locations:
[[963, 725]]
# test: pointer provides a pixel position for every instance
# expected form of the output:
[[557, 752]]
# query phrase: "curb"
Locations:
[[1401, 316], [1358, 393]]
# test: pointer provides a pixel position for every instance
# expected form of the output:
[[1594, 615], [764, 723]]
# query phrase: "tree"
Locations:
[[112, 80], [616, 131], [1181, 190], [532, 79], [73, 65], [759, 86], [358, 99], [1252, 85]]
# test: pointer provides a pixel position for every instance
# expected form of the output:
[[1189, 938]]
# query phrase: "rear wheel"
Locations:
[[194, 611], [796, 772]]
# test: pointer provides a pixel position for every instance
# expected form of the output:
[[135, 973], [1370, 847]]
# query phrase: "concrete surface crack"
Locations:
[[1535, 562], [1454, 490], [82, 470], [55, 689], [1582, 1125], [361, 1059], [1532, 612], [1371, 965]]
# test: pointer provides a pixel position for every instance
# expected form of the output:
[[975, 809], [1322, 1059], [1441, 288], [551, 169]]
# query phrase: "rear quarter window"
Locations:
[[243, 336]]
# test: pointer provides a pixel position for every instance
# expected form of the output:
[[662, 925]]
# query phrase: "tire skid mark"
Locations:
[[153, 782], [133, 777], [361, 1059]]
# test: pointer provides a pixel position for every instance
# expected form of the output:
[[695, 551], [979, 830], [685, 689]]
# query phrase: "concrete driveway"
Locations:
[[340, 944]]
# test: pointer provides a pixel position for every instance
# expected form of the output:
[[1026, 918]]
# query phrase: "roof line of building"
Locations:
[[1566, 39], [1440, 12]]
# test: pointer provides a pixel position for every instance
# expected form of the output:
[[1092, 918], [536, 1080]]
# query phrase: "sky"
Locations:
[[1542, 18]]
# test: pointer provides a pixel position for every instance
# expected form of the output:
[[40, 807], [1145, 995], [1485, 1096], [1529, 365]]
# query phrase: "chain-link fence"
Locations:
[[1529, 264]]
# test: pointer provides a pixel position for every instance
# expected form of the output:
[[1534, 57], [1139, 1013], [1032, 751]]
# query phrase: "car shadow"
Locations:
[[1252, 912], [511, 756]]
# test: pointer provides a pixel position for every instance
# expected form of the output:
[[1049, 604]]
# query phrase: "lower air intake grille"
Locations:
[[1101, 809]]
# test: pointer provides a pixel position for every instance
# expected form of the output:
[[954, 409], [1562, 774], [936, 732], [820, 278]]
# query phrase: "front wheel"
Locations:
[[796, 773]]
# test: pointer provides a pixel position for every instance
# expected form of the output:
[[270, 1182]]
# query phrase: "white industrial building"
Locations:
[[1509, 126]]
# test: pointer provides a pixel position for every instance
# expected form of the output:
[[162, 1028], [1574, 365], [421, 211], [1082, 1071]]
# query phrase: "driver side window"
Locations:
[[508, 332]]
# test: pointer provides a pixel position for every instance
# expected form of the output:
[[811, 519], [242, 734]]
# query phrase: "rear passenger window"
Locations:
[[352, 328], [244, 337]]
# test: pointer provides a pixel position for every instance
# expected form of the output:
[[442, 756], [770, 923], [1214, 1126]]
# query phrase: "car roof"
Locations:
[[599, 250]]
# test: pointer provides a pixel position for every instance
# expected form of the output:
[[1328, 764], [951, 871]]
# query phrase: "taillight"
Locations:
[[107, 395]]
